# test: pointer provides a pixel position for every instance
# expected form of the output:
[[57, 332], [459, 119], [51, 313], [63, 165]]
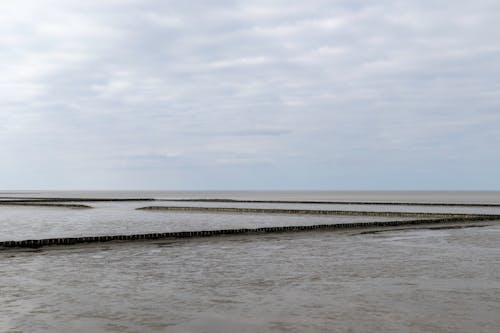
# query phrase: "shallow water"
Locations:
[[399, 281], [413, 280], [118, 218], [115, 218], [355, 207]]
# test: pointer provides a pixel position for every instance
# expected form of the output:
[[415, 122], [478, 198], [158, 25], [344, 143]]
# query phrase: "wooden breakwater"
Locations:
[[389, 203], [36, 243], [37, 199], [43, 204], [303, 211]]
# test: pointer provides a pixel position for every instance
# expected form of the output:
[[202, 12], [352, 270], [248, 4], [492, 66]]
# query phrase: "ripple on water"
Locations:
[[416, 280]]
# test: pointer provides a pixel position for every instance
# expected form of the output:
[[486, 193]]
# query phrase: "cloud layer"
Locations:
[[249, 94]]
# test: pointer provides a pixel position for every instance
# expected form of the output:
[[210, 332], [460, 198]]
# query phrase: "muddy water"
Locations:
[[394, 281], [112, 218], [412, 280], [118, 218], [355, 207]]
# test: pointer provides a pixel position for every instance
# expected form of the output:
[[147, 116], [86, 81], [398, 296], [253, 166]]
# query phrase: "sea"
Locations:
[[391, 280]]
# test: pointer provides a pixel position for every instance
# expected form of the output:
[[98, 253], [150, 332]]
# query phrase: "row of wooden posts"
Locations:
[[36, 243]]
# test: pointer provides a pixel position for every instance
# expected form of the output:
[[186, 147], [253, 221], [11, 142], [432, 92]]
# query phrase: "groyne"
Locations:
[[302, 211], [391, 203], [39, 199], [36, 243], [42, 204]]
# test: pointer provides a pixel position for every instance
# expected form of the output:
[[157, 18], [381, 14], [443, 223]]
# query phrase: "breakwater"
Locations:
[[303, 211], [36, 243], [393, 203], [37, 199], [43, 204]]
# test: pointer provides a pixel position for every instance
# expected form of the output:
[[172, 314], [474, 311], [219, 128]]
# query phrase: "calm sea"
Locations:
[[413, 280], [402, 196]]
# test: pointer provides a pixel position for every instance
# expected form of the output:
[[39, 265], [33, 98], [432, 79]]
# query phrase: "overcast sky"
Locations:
[[126, 94]]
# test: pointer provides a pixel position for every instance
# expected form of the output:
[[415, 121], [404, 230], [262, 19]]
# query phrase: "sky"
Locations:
[[319, 95]]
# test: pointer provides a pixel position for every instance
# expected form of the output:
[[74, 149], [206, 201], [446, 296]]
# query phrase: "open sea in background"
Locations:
[[411, 280], [383, 196]]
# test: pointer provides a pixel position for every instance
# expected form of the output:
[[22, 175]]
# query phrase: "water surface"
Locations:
[[412, 280], [400, 281]]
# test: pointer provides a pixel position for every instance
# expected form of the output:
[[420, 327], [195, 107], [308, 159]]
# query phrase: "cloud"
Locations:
[[343, 90]]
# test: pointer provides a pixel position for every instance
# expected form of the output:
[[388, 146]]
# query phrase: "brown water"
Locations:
[[118, 218], [413, 280]]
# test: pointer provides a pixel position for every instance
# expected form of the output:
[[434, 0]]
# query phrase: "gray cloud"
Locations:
[[249, 94]]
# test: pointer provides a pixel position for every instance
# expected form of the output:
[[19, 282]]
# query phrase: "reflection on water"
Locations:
[[115, 218], [393, 281], [399, 281], [363, 207]]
